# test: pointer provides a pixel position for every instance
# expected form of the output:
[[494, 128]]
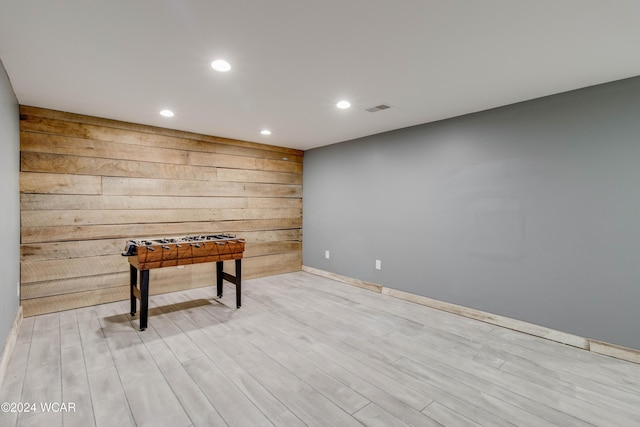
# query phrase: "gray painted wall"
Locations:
[[10, 206], [530, 211]]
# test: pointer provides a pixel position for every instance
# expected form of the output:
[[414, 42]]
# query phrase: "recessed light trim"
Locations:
[[343, 105], [221, 65], [265, 132], [166, 113]]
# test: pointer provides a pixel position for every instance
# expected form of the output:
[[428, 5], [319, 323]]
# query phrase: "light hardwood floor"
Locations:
[[305, 350]]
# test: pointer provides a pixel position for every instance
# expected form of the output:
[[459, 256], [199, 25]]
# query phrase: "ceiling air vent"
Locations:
[[378, 108]]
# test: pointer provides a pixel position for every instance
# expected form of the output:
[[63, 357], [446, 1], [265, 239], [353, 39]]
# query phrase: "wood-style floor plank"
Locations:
[[305, 350]]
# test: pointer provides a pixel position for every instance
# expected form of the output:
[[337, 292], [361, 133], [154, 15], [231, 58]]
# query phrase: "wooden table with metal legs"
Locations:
[[148, 254]]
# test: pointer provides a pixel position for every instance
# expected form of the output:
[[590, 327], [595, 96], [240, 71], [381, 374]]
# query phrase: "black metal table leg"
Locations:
[[144, 298], [133, 281], [238, 282], [219, 266]]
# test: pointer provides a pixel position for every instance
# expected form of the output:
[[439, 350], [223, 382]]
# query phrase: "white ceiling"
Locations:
[[294, 59]]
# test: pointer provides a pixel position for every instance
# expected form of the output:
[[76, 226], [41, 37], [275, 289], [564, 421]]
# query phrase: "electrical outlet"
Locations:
[[326, 254], [378, 264]]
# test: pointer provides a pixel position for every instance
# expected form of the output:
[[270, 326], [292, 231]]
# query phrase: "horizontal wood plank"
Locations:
[[30, 202], [125, 231], [292, 156], [270, 248], [76, 267], [73, 285], [236, 162], [241, 175], [65, 164], [59, 184], [88, 267], [150, 216], [74, 249], [274, 202], [172, 187], [90, 248], [53, 303]]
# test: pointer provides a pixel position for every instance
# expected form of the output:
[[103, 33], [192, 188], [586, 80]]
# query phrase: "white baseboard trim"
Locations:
[[344, 279], [10, 344], [612, 350], [617, 351]]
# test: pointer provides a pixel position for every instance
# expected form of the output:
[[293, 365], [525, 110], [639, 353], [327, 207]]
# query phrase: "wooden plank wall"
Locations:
[[89, 184]]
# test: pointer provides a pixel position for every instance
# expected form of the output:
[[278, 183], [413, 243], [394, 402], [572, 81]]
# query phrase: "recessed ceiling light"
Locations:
[[343, 104], [265, 132], [167, 113], [220, 65]]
